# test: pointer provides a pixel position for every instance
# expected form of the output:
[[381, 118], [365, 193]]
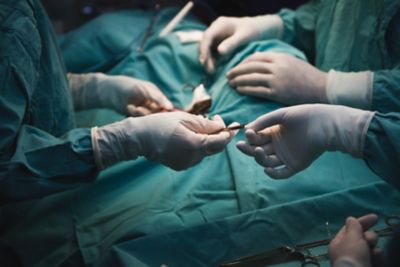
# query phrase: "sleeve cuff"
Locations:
[[287, 17], [346, 262], [269, 26], [353, 89], [96, 149]]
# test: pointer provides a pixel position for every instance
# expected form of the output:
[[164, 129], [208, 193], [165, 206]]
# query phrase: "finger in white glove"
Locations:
[[279, 77], [226, 34], [134, 111]]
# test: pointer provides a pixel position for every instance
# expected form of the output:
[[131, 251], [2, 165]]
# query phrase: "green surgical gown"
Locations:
[[223, 208], [353, 36], [40, 152]]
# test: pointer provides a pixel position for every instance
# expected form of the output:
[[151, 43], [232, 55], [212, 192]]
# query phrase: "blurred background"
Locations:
[[67, 15]]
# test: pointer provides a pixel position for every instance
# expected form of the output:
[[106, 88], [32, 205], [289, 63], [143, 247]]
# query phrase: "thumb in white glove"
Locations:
[[97, 90], [177, 139], [288, 140], [226, 34]]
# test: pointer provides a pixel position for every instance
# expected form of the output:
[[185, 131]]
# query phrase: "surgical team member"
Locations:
[[355, 47], [41, 152], [359, 44]]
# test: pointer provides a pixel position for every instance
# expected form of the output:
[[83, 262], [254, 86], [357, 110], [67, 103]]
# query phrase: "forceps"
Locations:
[[301, 252], [393, 224], [280, 255]]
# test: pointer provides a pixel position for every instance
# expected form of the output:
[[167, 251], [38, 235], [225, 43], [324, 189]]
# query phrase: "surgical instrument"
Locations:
[[149, 29], [181, 15], [301, 252]]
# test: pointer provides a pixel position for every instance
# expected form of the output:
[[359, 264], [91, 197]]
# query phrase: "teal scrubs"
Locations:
[[223, 208], [39, 151], [353, 36], [382, 146]]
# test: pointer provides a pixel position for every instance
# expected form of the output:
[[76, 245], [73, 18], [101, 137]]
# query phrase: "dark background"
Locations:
[[69, 14]]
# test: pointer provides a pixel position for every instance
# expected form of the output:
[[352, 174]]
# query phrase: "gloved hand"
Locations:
[[279, 77], [226, 34], [177, 139], [124, 94], [354, 246], [288, 140]]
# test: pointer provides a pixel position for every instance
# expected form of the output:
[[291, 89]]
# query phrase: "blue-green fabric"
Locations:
[[255, 232], [85, 52], [39, 151], [351, 36], [226, 202], [382, 146]]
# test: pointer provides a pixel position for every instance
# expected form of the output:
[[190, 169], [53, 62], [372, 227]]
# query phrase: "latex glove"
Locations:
[[226, 34], [353, 89], [177, 139], [354, 246], [124, 94], [288, 140], [279, 77]]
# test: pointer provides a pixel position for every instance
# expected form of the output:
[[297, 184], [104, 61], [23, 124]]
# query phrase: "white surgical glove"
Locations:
[[353, 89], [124, 94], [279, 77], [354, 245], [226, 34], [288, 140], [177, 139]]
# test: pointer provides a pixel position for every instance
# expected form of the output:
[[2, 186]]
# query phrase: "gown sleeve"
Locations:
[[386, 84], [33, 162], [386, 91], [299, 27], [382, 147]]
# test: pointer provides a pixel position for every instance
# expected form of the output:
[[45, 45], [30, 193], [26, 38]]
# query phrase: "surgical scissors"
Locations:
[[279, 255], [392, 222], [301, 252]]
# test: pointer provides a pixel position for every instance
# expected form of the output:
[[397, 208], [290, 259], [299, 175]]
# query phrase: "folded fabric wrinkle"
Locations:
[[150, 28]]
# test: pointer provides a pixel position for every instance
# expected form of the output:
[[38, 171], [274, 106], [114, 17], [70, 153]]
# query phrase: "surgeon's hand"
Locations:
[[355, 246], [178, 140], [288, 140], [226, 34], [279, 77], [124, 94]]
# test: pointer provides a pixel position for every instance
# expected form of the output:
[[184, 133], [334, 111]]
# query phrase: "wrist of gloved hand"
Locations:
[[125, 140], [268, 26], [95, 90], [344, 129], [340, 128], [352, 89], [112, 145]]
